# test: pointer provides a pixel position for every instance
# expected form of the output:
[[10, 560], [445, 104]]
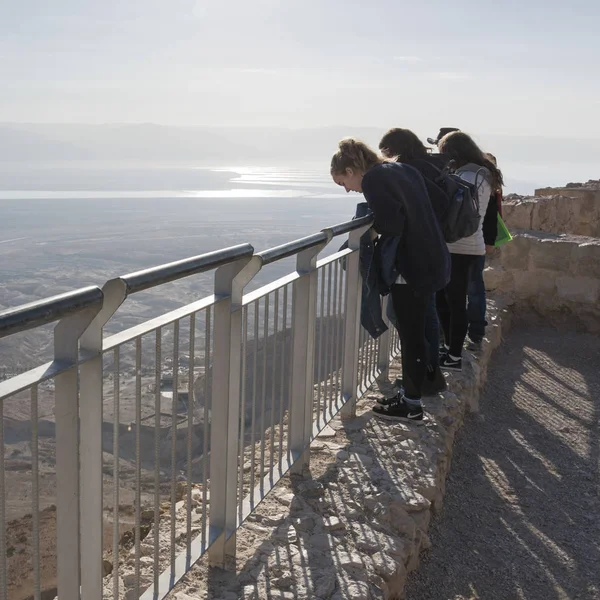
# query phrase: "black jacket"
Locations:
[[490, 222], [398, 199], [430, 168]]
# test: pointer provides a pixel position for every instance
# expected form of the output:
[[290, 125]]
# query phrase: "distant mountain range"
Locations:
[[150, 142], [533, 160]]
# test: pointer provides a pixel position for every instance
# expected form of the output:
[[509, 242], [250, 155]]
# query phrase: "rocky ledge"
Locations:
[[354, 526]]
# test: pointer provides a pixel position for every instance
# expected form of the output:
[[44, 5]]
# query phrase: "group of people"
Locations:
[[436, 286]]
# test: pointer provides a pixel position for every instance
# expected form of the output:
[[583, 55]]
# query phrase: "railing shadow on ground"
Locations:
[[525, 479], [319, 556]]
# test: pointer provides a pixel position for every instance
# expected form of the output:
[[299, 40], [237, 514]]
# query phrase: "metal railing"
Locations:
[[203, 410]]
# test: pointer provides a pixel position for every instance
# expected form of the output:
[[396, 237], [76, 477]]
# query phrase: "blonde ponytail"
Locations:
[[353, 154]]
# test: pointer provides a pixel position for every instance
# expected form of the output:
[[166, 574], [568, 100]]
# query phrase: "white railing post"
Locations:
[[66, 348], [90, 419], [383, 360], [304, 313], [230, 281], [352, 325]]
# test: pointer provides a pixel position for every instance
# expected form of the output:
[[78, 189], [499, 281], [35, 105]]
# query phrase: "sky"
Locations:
[[516, 67]]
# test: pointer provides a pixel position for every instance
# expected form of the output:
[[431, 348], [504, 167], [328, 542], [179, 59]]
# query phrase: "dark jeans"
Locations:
[[432, 334], [476, 303], [452, 303], [432, 330], [410, 309]]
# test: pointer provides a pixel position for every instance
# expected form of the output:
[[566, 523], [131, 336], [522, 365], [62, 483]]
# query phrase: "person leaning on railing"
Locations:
[[404, 218], [405, 147]]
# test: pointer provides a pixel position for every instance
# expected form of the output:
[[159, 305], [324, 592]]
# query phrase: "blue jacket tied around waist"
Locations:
[[377, 264]]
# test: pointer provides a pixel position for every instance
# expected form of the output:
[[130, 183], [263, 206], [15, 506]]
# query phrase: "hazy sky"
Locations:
[[499, 66]]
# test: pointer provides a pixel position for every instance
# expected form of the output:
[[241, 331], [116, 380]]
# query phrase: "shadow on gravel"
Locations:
[[522, 510]]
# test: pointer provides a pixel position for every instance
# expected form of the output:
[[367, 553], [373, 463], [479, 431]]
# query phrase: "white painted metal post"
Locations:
[[304, 308], [230, 280], [66, 341], [352, 325], [90, 419]]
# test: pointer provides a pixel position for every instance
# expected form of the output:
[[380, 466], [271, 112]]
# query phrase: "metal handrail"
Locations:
[[148, 278], [291, 248], [349, 226], [49, 310]]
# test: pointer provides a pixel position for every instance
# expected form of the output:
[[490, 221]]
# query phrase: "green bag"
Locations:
[[503, 235]]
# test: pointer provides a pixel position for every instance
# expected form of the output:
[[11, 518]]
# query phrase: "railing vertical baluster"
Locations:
[[190, 428], [243, 410], [35, 500], [334, 336], [304, 312], [282, 393], [263, 403], [328, 331], [319, 369], [353, 355], [254, 398], [138, 460], [116, 411], [206, 416], [3, 557], [174, 420], [273, 378], [66, 397], [340, 336], [290, 383], [229, 285], [91, 480], [157, 421]]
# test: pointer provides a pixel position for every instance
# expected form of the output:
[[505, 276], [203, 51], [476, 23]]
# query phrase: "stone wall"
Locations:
[[554, 274], [556, 210], [553, 262]]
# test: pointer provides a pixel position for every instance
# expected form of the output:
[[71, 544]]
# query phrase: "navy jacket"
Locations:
[[397, 197]]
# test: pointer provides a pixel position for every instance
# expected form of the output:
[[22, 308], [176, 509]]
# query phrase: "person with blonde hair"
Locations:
[[398, 199]]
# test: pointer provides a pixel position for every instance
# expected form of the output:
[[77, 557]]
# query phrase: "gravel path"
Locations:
[[522, 509]]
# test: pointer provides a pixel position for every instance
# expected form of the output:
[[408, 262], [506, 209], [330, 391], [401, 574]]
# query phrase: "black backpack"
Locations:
[[462, 218]]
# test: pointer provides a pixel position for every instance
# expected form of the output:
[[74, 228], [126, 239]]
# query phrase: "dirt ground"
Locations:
[[521, 516]]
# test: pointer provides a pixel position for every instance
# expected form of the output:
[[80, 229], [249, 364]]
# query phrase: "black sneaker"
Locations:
[[398, 410], [434, 386], [450, 364]]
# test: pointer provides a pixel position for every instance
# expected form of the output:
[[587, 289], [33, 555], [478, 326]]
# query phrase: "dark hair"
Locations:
[[402, 144], [461, 148], [353, 154]]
